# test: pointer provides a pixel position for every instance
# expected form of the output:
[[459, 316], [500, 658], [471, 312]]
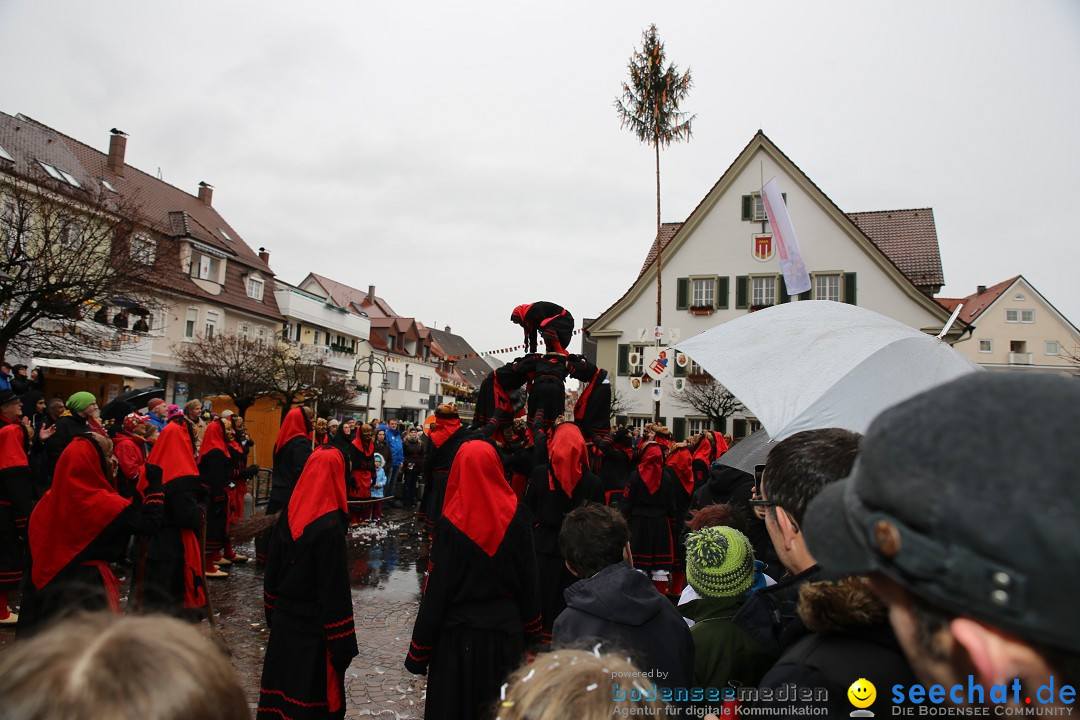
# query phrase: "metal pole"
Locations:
[[370, 367]]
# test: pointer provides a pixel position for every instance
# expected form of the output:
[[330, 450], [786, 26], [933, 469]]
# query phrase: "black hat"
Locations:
[[7, 396], [967, 495]]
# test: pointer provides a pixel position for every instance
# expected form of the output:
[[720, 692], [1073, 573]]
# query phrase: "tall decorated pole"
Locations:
[[650, 107]]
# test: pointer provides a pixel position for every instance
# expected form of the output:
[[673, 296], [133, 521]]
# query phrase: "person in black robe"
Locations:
[[678, 467], [552, 321], [499, 394], [561, 481], [592, 411], [650, 509], [215, 474], [77, 528], [174, 582], [307, 598], [731, 485], [709, 446], [16, 500], [291, 451], [446, 436], [362, 456], [547, 392], [615, 462], [480, 610]]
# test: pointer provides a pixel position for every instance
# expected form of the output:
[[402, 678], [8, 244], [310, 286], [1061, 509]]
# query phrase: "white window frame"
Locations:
[[393, 377], [768, 286], [828, 286], [143, 249], [425, 385], [759, 207], [211, 324], [703, 291], [1027, 316], [638, 369], [255, 288], [989, 346], [1051, 347], [695, 426], [244, 331], [191, 322], [260, 335], [1012, 316]]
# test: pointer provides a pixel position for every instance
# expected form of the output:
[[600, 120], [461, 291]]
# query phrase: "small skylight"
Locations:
[[224, 234], [70, 179], [6, 155], [53, 172], [108, 185]]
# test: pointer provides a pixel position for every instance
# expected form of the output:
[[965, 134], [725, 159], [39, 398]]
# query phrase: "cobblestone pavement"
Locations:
[[385, 586]]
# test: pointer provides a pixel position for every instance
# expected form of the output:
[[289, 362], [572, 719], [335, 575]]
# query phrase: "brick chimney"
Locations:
[[264, 255], [117, 147], [206, 193]]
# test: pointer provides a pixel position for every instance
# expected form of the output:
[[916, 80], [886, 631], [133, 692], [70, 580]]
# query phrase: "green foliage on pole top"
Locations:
[[651, 100]]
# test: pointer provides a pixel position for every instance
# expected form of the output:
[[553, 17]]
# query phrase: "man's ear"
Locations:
[[987, 648], [570, 568], [789, 529]]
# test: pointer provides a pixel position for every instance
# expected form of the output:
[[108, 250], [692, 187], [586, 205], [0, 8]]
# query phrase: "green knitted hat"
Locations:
[[719, 562], [80, 401]]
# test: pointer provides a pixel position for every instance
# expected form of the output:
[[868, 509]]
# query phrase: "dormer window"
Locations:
[[255, 288], [207, 263], [143, 249]]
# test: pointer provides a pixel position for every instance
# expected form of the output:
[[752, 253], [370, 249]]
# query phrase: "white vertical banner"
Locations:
[[796, 277]]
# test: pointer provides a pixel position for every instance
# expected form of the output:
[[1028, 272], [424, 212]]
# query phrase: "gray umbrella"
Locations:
[[748, 452]]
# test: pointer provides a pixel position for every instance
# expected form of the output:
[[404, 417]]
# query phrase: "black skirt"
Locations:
[[467, 670]]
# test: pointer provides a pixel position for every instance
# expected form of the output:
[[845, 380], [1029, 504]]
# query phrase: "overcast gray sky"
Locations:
[[466, 157]]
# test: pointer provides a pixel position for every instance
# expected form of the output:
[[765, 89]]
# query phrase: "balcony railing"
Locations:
[[1019, 358]]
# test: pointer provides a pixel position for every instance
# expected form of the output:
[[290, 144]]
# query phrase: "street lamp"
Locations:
[[372, 362]]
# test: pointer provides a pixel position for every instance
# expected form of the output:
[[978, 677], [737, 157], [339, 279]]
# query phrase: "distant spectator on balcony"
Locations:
[[20, 383]]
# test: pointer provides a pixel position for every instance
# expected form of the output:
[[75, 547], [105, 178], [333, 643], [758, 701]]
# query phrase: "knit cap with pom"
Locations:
[[719, 562]]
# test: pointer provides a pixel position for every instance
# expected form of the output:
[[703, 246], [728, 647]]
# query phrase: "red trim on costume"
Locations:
[[73, 512], [288, 699], [320, 489], [173, 453], [583, 401], [479, 502]]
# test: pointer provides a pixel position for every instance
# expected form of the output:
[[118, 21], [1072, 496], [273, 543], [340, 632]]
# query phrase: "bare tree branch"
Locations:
[[228, 364], [709, 398]]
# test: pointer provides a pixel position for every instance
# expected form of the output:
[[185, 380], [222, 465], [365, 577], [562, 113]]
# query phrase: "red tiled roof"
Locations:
[[667, 232], [909, 239], [347, 296], [160, 207], [975, 303]]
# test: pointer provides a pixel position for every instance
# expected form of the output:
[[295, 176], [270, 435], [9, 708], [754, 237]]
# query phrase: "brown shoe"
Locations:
[[218, 573]]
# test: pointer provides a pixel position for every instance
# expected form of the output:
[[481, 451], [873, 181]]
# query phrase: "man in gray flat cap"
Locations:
[[964, 508]]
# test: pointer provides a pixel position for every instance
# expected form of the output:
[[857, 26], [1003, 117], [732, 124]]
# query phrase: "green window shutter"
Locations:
[[784, 196], [849, 288], [663, 420], [742, 292], [805, 295], [624, 360], [784, 297], [678, 429], [738, 428], [682, 293], [720, 426], [680, 371], [747, 207], [722, 291], [621, 419]]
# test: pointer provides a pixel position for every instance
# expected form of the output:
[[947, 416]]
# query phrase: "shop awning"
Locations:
[[92, 367]]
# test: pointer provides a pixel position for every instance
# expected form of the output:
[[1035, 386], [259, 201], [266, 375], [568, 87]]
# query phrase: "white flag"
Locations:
[[796, 277]]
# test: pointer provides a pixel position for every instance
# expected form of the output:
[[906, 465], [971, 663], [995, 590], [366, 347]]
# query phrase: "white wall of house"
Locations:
[[717, 242], [1023, 332]]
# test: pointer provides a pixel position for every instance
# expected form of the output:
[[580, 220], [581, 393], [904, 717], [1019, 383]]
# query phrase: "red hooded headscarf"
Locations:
[[319, 490], [295, 424], [173, 453], [479, 502], [567, 455], [213, 439], [73, 512], [651, 466], [681, 462], [710, 448]]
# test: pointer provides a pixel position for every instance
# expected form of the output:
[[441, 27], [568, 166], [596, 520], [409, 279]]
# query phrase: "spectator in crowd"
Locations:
[[16, 500], [157, 411], [395, 460], [413, 452], [193, 411], [577, 684], [5, 376], [968, 531], [378, 488], [76, 420], [106, 666], [615, 604], [20, 383]]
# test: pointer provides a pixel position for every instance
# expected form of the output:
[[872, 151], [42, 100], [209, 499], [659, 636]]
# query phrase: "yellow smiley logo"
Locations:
[[862, 693]]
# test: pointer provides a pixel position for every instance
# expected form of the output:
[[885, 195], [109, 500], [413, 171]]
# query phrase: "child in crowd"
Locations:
[[378, 483]]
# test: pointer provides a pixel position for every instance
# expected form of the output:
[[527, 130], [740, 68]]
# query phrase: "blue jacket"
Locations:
[[393, 439], [378, 482], [5, 384]]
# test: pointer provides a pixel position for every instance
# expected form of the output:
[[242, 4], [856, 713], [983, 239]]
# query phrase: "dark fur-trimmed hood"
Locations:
[[839, 606]]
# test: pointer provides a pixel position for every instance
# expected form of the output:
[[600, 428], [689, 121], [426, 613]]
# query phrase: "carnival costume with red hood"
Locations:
[[77, 528], [650, 508], [711, 446], [308, 599], [480, 608], [291, 451], [561, 481], [174, 581], [552, 321], [446, 436], [215, 474], [16, 501]]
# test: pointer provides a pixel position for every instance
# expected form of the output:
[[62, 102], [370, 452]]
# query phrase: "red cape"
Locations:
[[71, 514], [295, 425], [442, 429], [479, 502], [213, 439], [319, 490], [705, 451], [681, 462], [566, 457], [651, 466], [173, 453], [13, 446]]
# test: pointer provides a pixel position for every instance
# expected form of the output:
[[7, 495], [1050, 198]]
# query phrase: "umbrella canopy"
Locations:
[[748, 452], [817, 363]]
